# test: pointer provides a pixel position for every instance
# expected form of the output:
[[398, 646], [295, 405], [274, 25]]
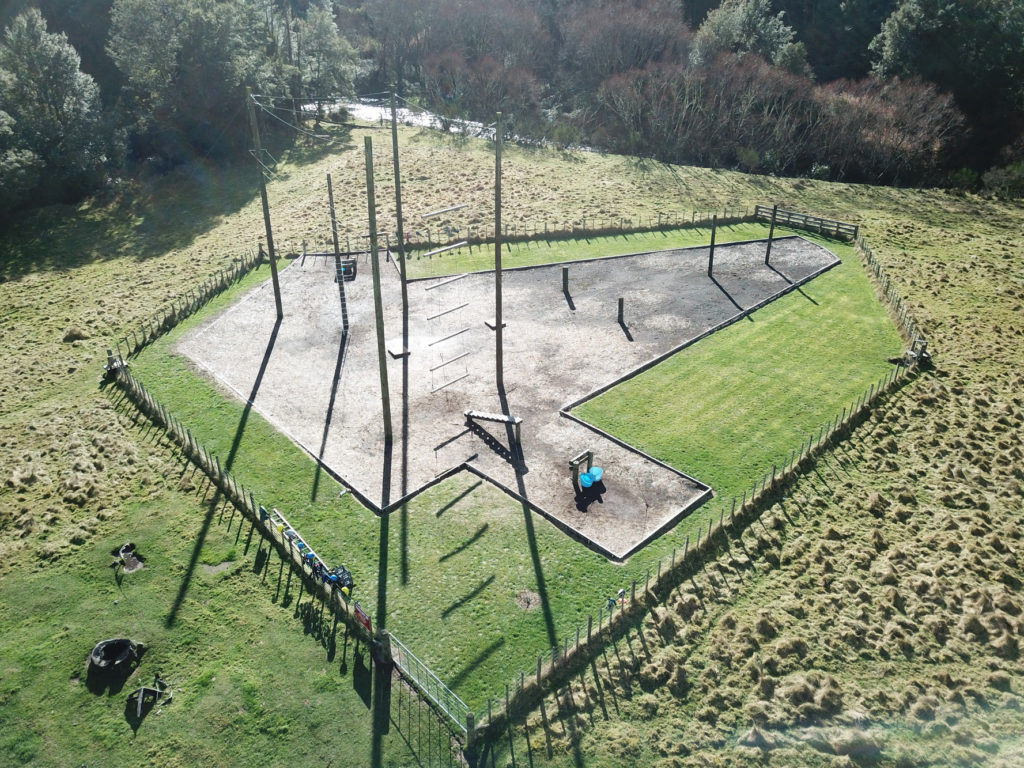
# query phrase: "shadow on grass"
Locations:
[[458, 498], [468, 597], [329, 416], [470, 668], [215, 502], [466, 544], [140, 219]]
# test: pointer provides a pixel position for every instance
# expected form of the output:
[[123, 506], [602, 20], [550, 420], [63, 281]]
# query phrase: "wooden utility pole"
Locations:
[[500, 367], [771, 234], [398, 213], [337, 258], [258, 150], [378, 307]]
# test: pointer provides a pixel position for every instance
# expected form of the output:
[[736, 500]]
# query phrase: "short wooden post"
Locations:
[[632, 592], [538, 669], [686, 546], [771, 234], [711, 251], [565, 279], [620, 310], [590, 625]]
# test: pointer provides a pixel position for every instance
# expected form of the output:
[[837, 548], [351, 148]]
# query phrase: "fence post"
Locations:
[[590, 625], [538, 669], [686, 546]]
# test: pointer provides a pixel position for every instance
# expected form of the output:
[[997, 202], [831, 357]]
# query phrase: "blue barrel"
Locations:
[[586, 479], [596, 472]]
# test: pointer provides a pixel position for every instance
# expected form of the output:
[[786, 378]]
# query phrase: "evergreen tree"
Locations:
[[748, 26], [326, 59], [973, 49], [186, 63], [53, 141]]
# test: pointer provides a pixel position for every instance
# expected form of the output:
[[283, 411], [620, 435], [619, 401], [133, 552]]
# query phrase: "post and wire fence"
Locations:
[[612, 616]]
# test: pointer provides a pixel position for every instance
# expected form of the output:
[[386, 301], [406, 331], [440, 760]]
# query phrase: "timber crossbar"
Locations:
[[501, 418]]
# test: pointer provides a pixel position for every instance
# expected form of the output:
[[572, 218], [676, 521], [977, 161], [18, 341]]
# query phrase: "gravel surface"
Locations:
[[558, 347]]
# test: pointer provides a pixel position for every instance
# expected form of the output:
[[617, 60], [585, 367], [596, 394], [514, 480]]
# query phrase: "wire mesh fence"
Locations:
[[420, 675]]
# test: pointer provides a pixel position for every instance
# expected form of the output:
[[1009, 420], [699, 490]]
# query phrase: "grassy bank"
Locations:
[[79, 477]]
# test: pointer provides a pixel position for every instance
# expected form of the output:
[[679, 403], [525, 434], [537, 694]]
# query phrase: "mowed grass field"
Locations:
[[81, 476], [461, 556]]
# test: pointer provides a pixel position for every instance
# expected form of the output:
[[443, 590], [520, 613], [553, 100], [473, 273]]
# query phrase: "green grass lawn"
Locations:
[[249, 658], [731, 406], [547, 251], [460, 554]]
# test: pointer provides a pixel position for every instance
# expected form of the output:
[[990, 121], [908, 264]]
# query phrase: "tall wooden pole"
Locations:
[[398, 213], [266, 205], [337, 257], [378, 307], [498, 354]]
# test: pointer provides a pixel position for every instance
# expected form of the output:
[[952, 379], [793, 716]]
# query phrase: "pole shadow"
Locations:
[[569, 301], [470, 668], [466, 544], [531, 534], [468, 597], [330, 414], [773, 269], [217, 497], [458, 498], [625, 330], [729, 297]]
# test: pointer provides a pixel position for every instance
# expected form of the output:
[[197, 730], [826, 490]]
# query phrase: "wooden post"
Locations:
[[400, 231], [711, 252], [621, 301], [337, 257], [498, 352], [590, 625], [378, 307], [565, 280], [771, 234], [263, 197]]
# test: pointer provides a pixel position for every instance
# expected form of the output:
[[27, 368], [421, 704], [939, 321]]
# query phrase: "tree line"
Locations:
[[881, 91]]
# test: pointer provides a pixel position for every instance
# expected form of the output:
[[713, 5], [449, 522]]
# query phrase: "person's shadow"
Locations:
[[587, 496]]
